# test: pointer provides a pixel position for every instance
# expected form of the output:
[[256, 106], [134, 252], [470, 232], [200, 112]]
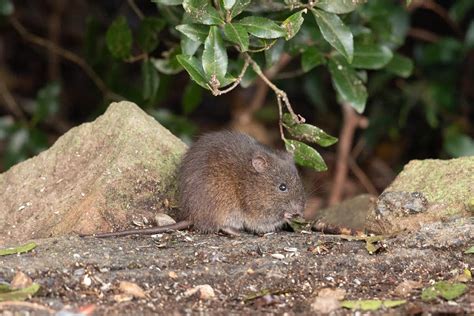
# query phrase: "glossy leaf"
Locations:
[[346, 82], [237, 34], [305, 155], [151, 80], [228, 4], [307, 132], [148, 33], [194, 69], [202, 11], [6, 7], [188, 46], [214, 57], [337, 6], [119, 38], [293, 24], [168, 2], [196, 32], [311, 58], [238, 7], [168, 66], [400, 66], [262, 27], [335, 32], [371, 56]]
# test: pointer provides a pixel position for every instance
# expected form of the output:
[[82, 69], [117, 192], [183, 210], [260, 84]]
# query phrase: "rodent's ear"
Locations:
[[259, 163]]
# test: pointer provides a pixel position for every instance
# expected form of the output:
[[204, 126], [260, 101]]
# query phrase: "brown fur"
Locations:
[[220, 186]]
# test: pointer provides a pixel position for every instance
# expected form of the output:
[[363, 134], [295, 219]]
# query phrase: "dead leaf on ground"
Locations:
[[132, 289], [325, 305], [338, 294], [406, 287], [20, 281]]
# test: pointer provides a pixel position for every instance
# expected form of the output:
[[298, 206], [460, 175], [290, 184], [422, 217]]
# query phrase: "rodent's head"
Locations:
[[273, 193]]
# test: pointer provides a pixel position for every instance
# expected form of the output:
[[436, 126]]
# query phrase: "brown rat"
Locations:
[[227, 181]]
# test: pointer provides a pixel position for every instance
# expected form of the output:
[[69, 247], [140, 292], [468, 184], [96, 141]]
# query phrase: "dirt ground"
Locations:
[[272, 274]]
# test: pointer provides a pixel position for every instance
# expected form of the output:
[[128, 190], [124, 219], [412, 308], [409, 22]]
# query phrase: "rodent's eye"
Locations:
[[282, 187]]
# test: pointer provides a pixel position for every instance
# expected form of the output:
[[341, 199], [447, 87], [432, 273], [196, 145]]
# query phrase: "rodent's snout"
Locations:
[[295, 210]]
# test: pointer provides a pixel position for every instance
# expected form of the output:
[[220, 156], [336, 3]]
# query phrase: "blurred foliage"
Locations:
[[413, 86]]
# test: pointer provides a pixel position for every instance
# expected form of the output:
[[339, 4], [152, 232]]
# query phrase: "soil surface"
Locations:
[[275, 273]]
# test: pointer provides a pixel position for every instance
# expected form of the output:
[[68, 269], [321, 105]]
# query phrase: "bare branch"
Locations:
[[30, 37]]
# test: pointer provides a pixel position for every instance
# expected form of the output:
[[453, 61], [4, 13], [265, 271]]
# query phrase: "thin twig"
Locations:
[[351, 120], [134, 59], [423, 35], [135, 9], [280, 93], [217, 92], [30, 37], [280, 118], [362, 177], [10, 101]]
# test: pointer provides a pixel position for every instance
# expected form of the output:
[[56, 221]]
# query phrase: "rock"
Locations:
[[205, 292], [97, 177], [426, 191], [344, 217], [162, 219], [325, 305]]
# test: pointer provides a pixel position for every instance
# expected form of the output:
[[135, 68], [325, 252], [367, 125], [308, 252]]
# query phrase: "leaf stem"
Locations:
[[217, 92]]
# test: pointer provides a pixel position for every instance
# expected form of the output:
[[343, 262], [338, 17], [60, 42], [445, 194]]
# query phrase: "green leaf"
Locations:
[[311, 58], [335, 33], [237, 34], [337, 6], [6, 7], [18, 249], [238, 7], [370, 56], [348, 85], [151, 80], [47, 102], [147, 36], [202, 11], [307, 132], [262, 27], [228, 4], [196, 32], [272, 55], [444, 289], [188, 46], [119, 38], [305, 155], [371, 305], [194, 69], [168, 65], [168, 2], [400, 66], [470, 250], [192, 97], [293, 24], [214, 57], [20, 294]]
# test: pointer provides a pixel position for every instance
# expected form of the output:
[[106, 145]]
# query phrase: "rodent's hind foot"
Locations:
[[230, 231]]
